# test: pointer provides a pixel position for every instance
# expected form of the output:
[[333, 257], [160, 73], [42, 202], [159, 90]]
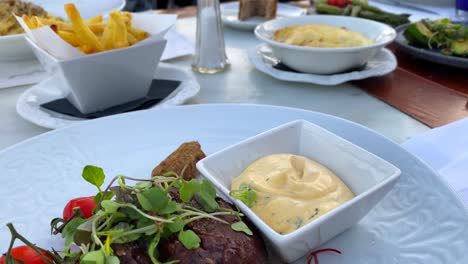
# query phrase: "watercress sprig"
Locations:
[[125, 213], [245, 194], [146, 211]]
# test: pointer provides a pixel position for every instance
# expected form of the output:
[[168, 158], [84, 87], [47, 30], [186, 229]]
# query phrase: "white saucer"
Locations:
[[264, 60], [28, 104], [230, 11]]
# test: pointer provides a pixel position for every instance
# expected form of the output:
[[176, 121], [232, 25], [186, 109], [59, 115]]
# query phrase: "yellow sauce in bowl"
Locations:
[[321, 36], [292, 190]]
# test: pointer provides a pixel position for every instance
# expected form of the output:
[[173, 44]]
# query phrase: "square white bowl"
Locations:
[[98, 81], [369, 177]]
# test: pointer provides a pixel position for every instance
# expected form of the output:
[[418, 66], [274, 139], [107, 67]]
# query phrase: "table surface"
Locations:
[[242, 83], [434, 94]]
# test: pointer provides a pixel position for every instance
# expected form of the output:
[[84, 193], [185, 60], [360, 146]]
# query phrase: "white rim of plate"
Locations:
[[28, 104], [383, 63]]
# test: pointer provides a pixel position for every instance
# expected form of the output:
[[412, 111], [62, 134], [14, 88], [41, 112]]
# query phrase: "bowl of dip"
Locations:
[[324, 44], [309, 184]]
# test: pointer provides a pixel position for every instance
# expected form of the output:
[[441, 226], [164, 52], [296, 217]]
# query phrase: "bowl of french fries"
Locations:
[[101, 62]]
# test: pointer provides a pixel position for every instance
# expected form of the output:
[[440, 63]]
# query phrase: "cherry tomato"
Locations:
[[86, 204], [339, 3], [27, 255]]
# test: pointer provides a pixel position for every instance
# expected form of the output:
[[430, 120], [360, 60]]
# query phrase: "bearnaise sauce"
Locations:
[[292, 190]]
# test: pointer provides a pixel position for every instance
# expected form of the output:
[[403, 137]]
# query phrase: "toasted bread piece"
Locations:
[[262, 8], [182, 161], [247, 9]]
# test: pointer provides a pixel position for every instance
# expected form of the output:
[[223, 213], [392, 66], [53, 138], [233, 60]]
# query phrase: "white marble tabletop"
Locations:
[[242, 83]]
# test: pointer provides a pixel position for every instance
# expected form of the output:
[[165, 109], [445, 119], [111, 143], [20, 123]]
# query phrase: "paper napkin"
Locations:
[[156, 25], [16, 73], [177, 46], [446, 150]]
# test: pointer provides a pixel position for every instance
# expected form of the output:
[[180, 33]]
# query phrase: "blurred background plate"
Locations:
[[431, 2], [230, 11], [427, 54], [87, 8], [14, 47]]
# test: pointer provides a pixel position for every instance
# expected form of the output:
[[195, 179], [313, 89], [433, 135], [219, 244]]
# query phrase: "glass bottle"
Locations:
[[210, 53], [461, 7]]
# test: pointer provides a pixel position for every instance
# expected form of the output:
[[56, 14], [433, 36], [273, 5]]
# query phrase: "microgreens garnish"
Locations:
[[241, 227], [189, 239], [150, 210], [245, 194]]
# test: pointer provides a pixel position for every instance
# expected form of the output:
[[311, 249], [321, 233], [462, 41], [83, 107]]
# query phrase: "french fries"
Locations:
[[92, 35], [85, 34]]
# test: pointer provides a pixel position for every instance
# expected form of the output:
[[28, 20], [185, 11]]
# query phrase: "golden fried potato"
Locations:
[[69, 37], [94, 20], [120, 37], [79, 26], [92, 35]]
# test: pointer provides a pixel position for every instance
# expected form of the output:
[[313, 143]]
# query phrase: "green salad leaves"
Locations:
[[151, 210]]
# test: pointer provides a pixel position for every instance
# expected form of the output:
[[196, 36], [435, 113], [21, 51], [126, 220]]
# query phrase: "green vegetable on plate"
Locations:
[[450, 38], [360, 9]]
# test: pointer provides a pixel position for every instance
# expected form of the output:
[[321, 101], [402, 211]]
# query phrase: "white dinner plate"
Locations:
[[14, 47], [264, 60], [29, 103], [420, 221], [230, 11]]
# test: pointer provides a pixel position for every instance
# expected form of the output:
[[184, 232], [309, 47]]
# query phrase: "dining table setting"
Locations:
[[250, 131]]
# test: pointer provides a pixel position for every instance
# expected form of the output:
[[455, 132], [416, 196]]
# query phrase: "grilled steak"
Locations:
[[219, 243], [132, 253]]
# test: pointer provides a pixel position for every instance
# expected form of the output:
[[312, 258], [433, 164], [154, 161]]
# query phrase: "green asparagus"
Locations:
[[363, 10]]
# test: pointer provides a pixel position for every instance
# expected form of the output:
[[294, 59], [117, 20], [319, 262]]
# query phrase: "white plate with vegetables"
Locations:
[[438, 41], [420, 221], [14, 46]]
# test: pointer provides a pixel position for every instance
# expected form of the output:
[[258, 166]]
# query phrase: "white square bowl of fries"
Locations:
[[100, 63]]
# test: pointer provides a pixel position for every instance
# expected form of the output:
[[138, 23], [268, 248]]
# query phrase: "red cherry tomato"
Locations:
[[86, 204], [27, 255], [339, 3]]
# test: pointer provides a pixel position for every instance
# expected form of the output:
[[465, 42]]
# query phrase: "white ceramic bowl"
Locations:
[[15, 47], [326, 60], [368, 176], [97, 81]]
